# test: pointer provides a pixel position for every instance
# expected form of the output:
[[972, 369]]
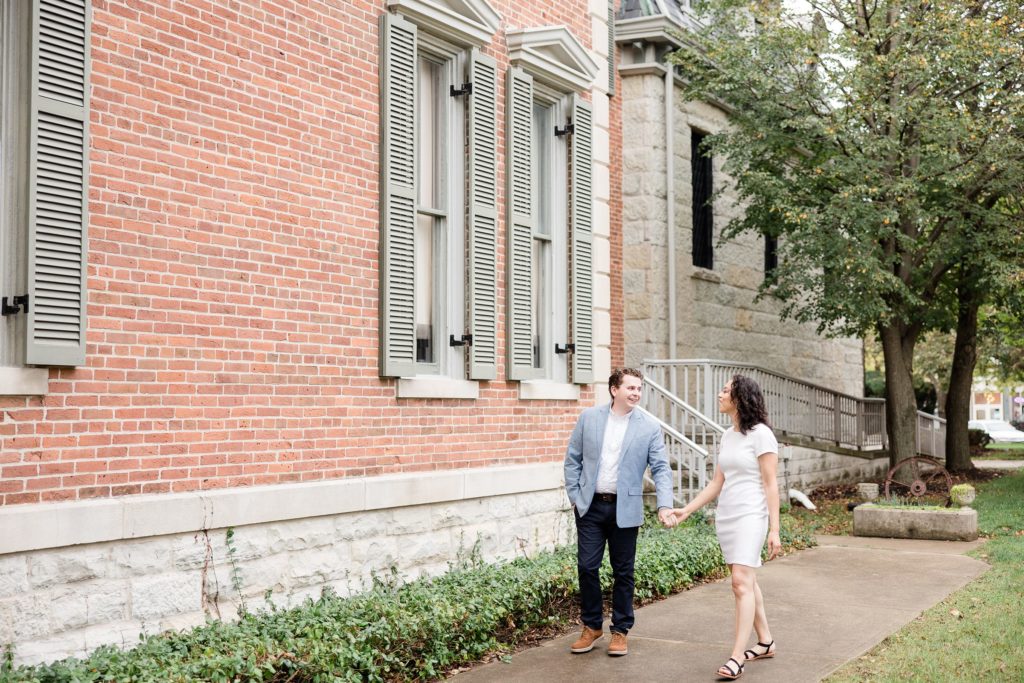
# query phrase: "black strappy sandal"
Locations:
[[733, 673], [752, 654]]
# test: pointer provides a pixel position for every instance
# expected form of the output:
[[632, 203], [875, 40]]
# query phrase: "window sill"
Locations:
[[437, 387], [550, 391], [706, 275], [24, 381]]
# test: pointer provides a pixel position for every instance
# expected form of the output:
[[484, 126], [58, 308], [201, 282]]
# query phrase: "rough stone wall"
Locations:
[[644, 273], [716, 315], [808, 469], [68, 601]]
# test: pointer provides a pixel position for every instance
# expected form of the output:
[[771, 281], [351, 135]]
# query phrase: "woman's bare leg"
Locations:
[[764, 634], [743, 590]]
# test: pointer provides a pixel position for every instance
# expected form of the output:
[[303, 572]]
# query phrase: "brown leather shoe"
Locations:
[[585, 643], [618, 646]]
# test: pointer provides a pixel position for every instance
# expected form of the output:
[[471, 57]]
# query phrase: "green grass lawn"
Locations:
[[1002, 451], [975, 634]]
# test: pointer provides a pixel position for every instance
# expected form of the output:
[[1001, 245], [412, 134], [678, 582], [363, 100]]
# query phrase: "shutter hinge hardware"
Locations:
[[464, 340], [568, 348], [568, 130], [17, 303], [466, 89]]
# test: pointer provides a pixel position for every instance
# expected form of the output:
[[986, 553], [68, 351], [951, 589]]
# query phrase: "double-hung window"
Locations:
[[550, 209], [702, 180], [438, 306], [550, 171], [440, 221], [44, 100], [771, 255]]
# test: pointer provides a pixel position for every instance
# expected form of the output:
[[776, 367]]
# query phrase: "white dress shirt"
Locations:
[[611, 451]]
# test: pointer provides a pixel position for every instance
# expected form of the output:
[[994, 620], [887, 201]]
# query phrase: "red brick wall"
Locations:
[[232, 334]]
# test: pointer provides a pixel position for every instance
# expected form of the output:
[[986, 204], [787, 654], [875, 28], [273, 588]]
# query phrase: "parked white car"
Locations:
[[998, 430]]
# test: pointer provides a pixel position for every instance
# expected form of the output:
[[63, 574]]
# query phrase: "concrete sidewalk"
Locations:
[[999, 464], [827, 605]]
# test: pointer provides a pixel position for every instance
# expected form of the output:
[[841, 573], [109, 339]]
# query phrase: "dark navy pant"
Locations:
[[593, 530]]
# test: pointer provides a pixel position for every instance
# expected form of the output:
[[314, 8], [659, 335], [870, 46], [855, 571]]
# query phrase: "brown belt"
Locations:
[[605, 497]]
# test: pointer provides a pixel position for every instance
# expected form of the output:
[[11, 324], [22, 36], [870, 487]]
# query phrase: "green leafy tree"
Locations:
[[875, 142], [932, 359], [1002, 334], [984, 274]]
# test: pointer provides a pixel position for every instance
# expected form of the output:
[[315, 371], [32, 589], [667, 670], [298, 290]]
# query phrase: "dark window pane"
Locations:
[[771, 254], [424, 344], [703, 219]]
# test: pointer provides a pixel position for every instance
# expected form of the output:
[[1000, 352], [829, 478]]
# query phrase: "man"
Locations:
[[609, 450]]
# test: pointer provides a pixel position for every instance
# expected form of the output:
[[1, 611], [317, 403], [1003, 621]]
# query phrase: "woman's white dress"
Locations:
[[742, 516]]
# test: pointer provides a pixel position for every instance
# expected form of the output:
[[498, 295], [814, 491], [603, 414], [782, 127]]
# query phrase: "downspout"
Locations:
[[670, 201]]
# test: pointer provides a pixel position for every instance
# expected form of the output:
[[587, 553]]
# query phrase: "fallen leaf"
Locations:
[[956, 613]]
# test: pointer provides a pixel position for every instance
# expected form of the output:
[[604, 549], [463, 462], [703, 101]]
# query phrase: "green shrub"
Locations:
[[396, 631], [978, 438]]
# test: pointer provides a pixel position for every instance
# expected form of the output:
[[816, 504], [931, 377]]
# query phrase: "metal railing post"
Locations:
[[837, 419], [812, 414], [703, 408], [861, 437]]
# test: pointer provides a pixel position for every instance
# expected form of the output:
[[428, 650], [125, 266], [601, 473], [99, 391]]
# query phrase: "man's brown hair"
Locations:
[[615, 379]]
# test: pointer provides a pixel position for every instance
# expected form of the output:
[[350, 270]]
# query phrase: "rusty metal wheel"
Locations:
[[921, 479]]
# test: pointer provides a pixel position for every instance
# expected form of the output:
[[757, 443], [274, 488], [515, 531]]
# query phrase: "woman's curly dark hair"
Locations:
[[749, 402]]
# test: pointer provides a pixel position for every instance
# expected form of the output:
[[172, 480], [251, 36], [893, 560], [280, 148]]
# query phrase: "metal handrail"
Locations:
[[693, 468], [752, 366], [683, 405], [799, 409], [692, 431]]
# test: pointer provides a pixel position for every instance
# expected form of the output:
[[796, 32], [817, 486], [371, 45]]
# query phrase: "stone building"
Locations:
[[687, 295]]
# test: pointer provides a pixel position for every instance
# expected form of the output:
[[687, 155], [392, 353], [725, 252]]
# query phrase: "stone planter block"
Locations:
[[953, 524]]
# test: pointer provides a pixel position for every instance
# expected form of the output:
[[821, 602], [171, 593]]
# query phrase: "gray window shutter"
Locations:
[[58, 217], [520, 226], [581, 306], [483, 218], [398, 197], [611, 47]]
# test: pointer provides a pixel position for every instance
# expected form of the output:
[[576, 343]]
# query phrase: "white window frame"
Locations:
[[449, 283], [554, 323]]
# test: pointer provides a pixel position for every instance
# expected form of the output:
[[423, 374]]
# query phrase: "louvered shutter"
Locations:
[[582, 219], [58, 183], [611, 47], [483, 218], [520, 226], [398, 197]]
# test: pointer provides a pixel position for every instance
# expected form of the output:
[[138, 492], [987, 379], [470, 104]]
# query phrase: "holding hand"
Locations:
[[665, 517], [678, 516]]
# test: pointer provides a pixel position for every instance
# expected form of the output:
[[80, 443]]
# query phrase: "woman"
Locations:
[[748, 509]]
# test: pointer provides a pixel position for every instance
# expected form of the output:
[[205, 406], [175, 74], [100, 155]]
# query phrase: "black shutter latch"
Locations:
[[17, 303]]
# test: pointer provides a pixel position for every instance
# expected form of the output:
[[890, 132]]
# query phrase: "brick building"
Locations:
[[334, 274]]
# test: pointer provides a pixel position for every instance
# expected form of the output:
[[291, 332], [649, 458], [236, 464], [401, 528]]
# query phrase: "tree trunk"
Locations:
[[900, 404], [961, 376]]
